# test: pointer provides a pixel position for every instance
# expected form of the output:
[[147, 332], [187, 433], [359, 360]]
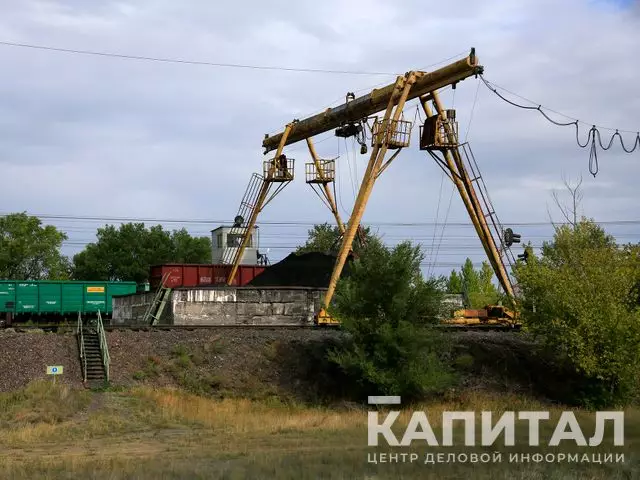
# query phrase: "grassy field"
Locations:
[[54, 432]]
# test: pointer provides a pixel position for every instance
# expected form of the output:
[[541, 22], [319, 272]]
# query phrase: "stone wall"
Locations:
[[130, 309], [226, 306]]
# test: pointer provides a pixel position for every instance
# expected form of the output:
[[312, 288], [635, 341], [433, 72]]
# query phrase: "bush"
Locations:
[[387, 309], [578, 297]]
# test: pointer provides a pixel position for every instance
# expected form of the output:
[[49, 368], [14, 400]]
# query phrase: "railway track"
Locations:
[[57, 327]]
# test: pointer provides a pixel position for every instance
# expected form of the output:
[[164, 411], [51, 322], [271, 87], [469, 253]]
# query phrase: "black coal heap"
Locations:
[[300, 270]]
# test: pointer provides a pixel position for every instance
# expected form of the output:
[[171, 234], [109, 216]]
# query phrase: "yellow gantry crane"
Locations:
[[390, 133]]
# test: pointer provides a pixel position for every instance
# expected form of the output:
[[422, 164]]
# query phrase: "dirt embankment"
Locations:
[[25, 357], [264, 362], [228, 361], [225, 361]]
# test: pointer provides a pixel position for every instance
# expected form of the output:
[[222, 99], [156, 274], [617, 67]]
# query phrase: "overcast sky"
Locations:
[[96, 136]]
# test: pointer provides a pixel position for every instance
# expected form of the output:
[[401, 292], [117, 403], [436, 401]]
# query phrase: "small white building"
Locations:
[[225, 242]]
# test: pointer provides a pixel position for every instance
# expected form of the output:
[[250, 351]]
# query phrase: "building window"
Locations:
[[219, 237], [234, 240]]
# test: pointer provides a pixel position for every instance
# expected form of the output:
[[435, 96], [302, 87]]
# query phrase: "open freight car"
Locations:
[[55, 301], [201, 275]]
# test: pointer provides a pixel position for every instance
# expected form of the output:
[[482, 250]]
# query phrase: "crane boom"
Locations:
[[375, 102]]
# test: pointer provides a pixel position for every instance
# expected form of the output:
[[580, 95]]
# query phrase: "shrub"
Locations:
[[578, 298], [387, 309]]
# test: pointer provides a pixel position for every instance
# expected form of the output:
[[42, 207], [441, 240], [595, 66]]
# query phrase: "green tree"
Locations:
[[476, 285], [580, 298], [326, 238], [387, 310], [127, 253], [454, 283], [30, 251]]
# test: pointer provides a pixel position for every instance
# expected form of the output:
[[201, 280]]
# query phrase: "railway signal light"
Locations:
[[524, 256], [510, 238]]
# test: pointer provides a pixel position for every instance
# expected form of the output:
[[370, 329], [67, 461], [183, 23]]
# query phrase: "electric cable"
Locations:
[[593, 132], [444, 225], [473, 108], [105, 218], [435, 227], [190, 62]]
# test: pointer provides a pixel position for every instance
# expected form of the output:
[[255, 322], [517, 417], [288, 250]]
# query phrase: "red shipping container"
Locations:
[[194, 275]]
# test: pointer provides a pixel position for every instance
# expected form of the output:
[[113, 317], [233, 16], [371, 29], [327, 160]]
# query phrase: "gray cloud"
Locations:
[[87, 135]]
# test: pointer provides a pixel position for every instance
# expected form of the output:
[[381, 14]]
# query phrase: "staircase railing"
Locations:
[[83, 355], [154, 311], [104, 350]]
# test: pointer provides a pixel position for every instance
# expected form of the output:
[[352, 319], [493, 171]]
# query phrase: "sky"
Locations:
[[92, 136]]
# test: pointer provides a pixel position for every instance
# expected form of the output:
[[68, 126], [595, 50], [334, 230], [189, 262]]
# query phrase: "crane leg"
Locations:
[[325, 186], [262, 197], [469, 197], [402, 88]]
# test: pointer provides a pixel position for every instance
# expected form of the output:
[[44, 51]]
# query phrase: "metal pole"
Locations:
[[478, 219], [327, 191], [456, 177], [377, 156], [264, 191]]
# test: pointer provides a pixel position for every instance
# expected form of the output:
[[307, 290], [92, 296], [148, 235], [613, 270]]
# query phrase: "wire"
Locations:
[[338, 170], [372, 87], [473, 108], [594, 131], [435, 227], [295, 222], [444, 225], [191, 62], [355, 161]]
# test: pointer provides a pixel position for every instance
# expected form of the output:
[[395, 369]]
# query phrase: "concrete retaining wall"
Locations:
[[225, 306]]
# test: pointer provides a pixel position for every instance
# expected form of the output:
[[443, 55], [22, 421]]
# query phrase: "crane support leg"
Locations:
[[325, 187], [262, 197], [455, 177], [402, 88], [464, 184]]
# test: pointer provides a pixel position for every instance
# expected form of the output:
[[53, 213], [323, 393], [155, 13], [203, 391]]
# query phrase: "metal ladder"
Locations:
[[94, 352], [487, 206], [160, 299], [247, 206]]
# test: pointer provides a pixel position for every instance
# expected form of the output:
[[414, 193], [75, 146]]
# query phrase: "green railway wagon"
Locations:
[[47, 298]]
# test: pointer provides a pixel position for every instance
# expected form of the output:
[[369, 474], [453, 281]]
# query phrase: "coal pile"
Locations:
[[304, 270]]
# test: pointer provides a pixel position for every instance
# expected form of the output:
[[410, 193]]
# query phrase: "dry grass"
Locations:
[[167, 433], [245, 416]]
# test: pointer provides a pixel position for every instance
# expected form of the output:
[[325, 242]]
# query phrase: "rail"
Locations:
[[104, 350], [83, 356]]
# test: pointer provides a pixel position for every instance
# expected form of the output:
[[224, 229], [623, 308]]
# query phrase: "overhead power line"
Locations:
[[594, 130], [191, 62], [311, 223]]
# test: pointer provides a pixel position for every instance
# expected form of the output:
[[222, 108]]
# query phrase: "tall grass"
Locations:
[[41, 402], [55, 432]]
